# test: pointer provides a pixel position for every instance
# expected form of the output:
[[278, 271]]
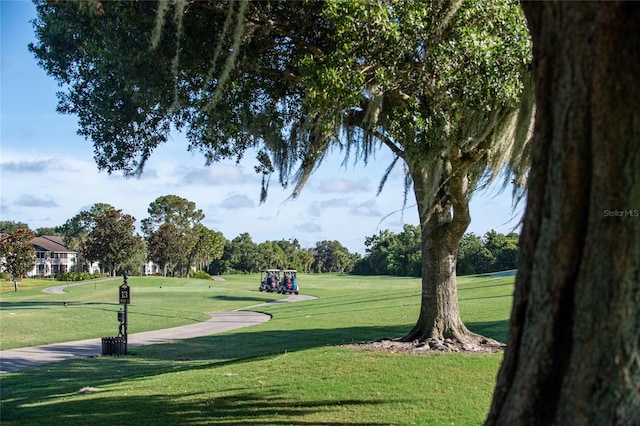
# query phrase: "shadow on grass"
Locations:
[[49, 394], [479, 286], [258, 344], [249, 345], [48, 304], [337, 305], [260, 406], [497, 330], [485, 297]]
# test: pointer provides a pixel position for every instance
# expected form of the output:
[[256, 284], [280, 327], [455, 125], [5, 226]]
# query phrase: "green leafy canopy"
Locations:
[[280, 77]]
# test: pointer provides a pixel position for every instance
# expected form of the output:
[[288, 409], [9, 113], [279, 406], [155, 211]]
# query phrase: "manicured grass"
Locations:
[[290, 370], [30, 317]]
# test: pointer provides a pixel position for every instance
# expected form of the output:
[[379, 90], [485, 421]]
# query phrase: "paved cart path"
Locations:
[[22, 358]]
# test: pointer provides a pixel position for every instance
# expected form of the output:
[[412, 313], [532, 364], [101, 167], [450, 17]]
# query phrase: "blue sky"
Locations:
[[47, 172]]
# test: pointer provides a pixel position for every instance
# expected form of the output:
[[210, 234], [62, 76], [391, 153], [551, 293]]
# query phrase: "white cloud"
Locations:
[[4, 209], [310, 227], [28, 165], [31, 201], [237, 201], [344, 186], [318, 208], [39, 166], [335, 202], [217, 174], [368, 208], [148, 174]]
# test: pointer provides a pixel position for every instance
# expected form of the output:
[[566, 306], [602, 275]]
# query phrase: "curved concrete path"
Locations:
[[22, 358]]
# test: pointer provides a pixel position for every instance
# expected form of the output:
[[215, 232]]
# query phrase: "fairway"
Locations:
[[290, 370]]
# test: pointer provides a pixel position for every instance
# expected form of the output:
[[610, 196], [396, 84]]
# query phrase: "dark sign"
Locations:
[[125, 294]]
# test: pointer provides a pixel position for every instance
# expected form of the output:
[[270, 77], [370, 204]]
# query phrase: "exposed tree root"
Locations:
[[476, 344]]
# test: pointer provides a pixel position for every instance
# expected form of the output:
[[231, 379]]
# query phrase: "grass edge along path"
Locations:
[[32, 317], [21, 358]]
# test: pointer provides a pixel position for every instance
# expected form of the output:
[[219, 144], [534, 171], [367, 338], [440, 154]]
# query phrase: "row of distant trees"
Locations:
[[490, 253], [174, 238], [389, 253], [177, 241], [242, 255]]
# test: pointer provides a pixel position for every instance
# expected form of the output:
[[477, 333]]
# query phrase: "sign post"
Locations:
[[125, 299]]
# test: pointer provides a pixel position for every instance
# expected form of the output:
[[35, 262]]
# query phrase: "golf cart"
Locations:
[[270, 280], [289, 282]]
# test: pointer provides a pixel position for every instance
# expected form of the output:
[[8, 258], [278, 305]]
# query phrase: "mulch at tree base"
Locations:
[[431, 346]]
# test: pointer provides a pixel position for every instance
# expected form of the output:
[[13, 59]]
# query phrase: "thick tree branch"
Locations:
[[357, 118]]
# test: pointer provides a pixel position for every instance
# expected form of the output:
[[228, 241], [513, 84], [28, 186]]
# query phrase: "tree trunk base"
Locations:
[[475, 345]]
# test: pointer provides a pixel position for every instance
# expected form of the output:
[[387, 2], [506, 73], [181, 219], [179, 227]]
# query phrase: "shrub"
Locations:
[[200, 274], [78, 276]]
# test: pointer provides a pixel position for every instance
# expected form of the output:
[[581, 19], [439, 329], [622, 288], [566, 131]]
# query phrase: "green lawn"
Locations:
[[290, 370]]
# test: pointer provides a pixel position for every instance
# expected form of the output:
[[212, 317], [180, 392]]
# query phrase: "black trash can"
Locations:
[[114, 346]]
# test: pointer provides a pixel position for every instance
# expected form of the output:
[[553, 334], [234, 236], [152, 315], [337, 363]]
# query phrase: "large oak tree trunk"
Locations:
[[572, 353], [443, 221], [439, 313]]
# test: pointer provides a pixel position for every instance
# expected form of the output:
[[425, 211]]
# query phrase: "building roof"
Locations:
[[50, 243]]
